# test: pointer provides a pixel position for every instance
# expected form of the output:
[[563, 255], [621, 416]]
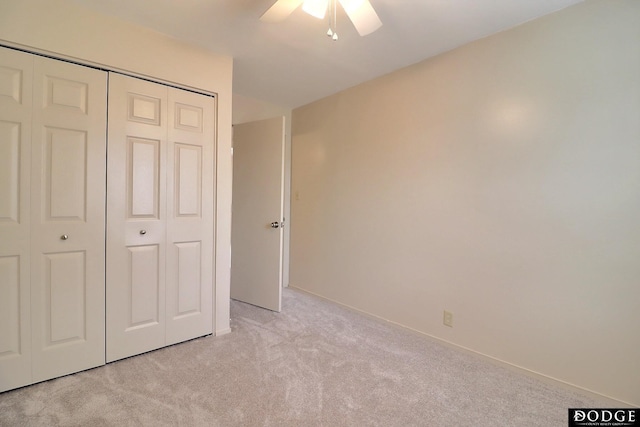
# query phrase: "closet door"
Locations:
[[67, 218], [16, 69], [190, 175], [159, 216], [136, 217], [52, 190]]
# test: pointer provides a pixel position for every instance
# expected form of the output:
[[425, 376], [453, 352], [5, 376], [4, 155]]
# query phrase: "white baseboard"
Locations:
[[222, 332], [606, 400]]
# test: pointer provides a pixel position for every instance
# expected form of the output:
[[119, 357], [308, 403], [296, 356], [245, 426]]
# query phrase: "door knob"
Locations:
[[143, 232], [64, 237], [275, 224]]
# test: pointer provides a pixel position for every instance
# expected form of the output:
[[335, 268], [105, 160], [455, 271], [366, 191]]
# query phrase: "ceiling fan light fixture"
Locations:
[[351, 5], [280, 10], [362, 14], [317, 8]]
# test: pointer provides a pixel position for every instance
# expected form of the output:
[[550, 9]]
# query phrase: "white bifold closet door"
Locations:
[[16, 84], [52, 215], [67, 218], [159, 216]]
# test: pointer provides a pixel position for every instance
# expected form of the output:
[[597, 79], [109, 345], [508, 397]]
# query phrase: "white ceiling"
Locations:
[[293, 62]]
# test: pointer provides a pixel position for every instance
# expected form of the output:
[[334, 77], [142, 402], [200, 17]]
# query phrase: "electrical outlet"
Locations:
[[447, 319]]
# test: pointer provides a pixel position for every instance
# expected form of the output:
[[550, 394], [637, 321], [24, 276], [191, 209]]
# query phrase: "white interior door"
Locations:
[[68, 170], [16, 69], [257, 213], [136, 217], [190, 172], [160, 216]]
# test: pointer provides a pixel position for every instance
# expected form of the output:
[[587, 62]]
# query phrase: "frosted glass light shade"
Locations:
[[317, 8], [280, 10], [362, 14]]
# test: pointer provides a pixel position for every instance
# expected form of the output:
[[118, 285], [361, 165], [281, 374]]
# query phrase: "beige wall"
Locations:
[[64, 30], [499, 181]]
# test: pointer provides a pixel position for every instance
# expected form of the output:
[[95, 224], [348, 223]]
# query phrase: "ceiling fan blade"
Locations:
[[317, 8], [363, 16], [280, 10]]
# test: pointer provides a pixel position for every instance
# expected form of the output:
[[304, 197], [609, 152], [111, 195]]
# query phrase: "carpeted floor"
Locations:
[[314, 364]]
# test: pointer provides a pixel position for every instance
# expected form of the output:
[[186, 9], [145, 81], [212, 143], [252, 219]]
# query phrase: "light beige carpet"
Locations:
[[314, 364]]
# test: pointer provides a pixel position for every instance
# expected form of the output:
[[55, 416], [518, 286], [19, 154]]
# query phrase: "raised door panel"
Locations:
[[15, 67], [9, 307], [143, 180], [143, 287], [189, 292], [136, 226], [65, 288], [10, 157], [64, 170], [15, 324], [67, 218], [16, 75], [190, 215], [188, 181]]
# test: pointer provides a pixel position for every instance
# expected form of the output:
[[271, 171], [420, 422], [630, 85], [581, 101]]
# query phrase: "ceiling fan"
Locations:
[[360, 12]]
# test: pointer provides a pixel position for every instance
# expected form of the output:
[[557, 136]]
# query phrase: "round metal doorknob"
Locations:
[[275, 224], [143, 232], [64, 237]]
